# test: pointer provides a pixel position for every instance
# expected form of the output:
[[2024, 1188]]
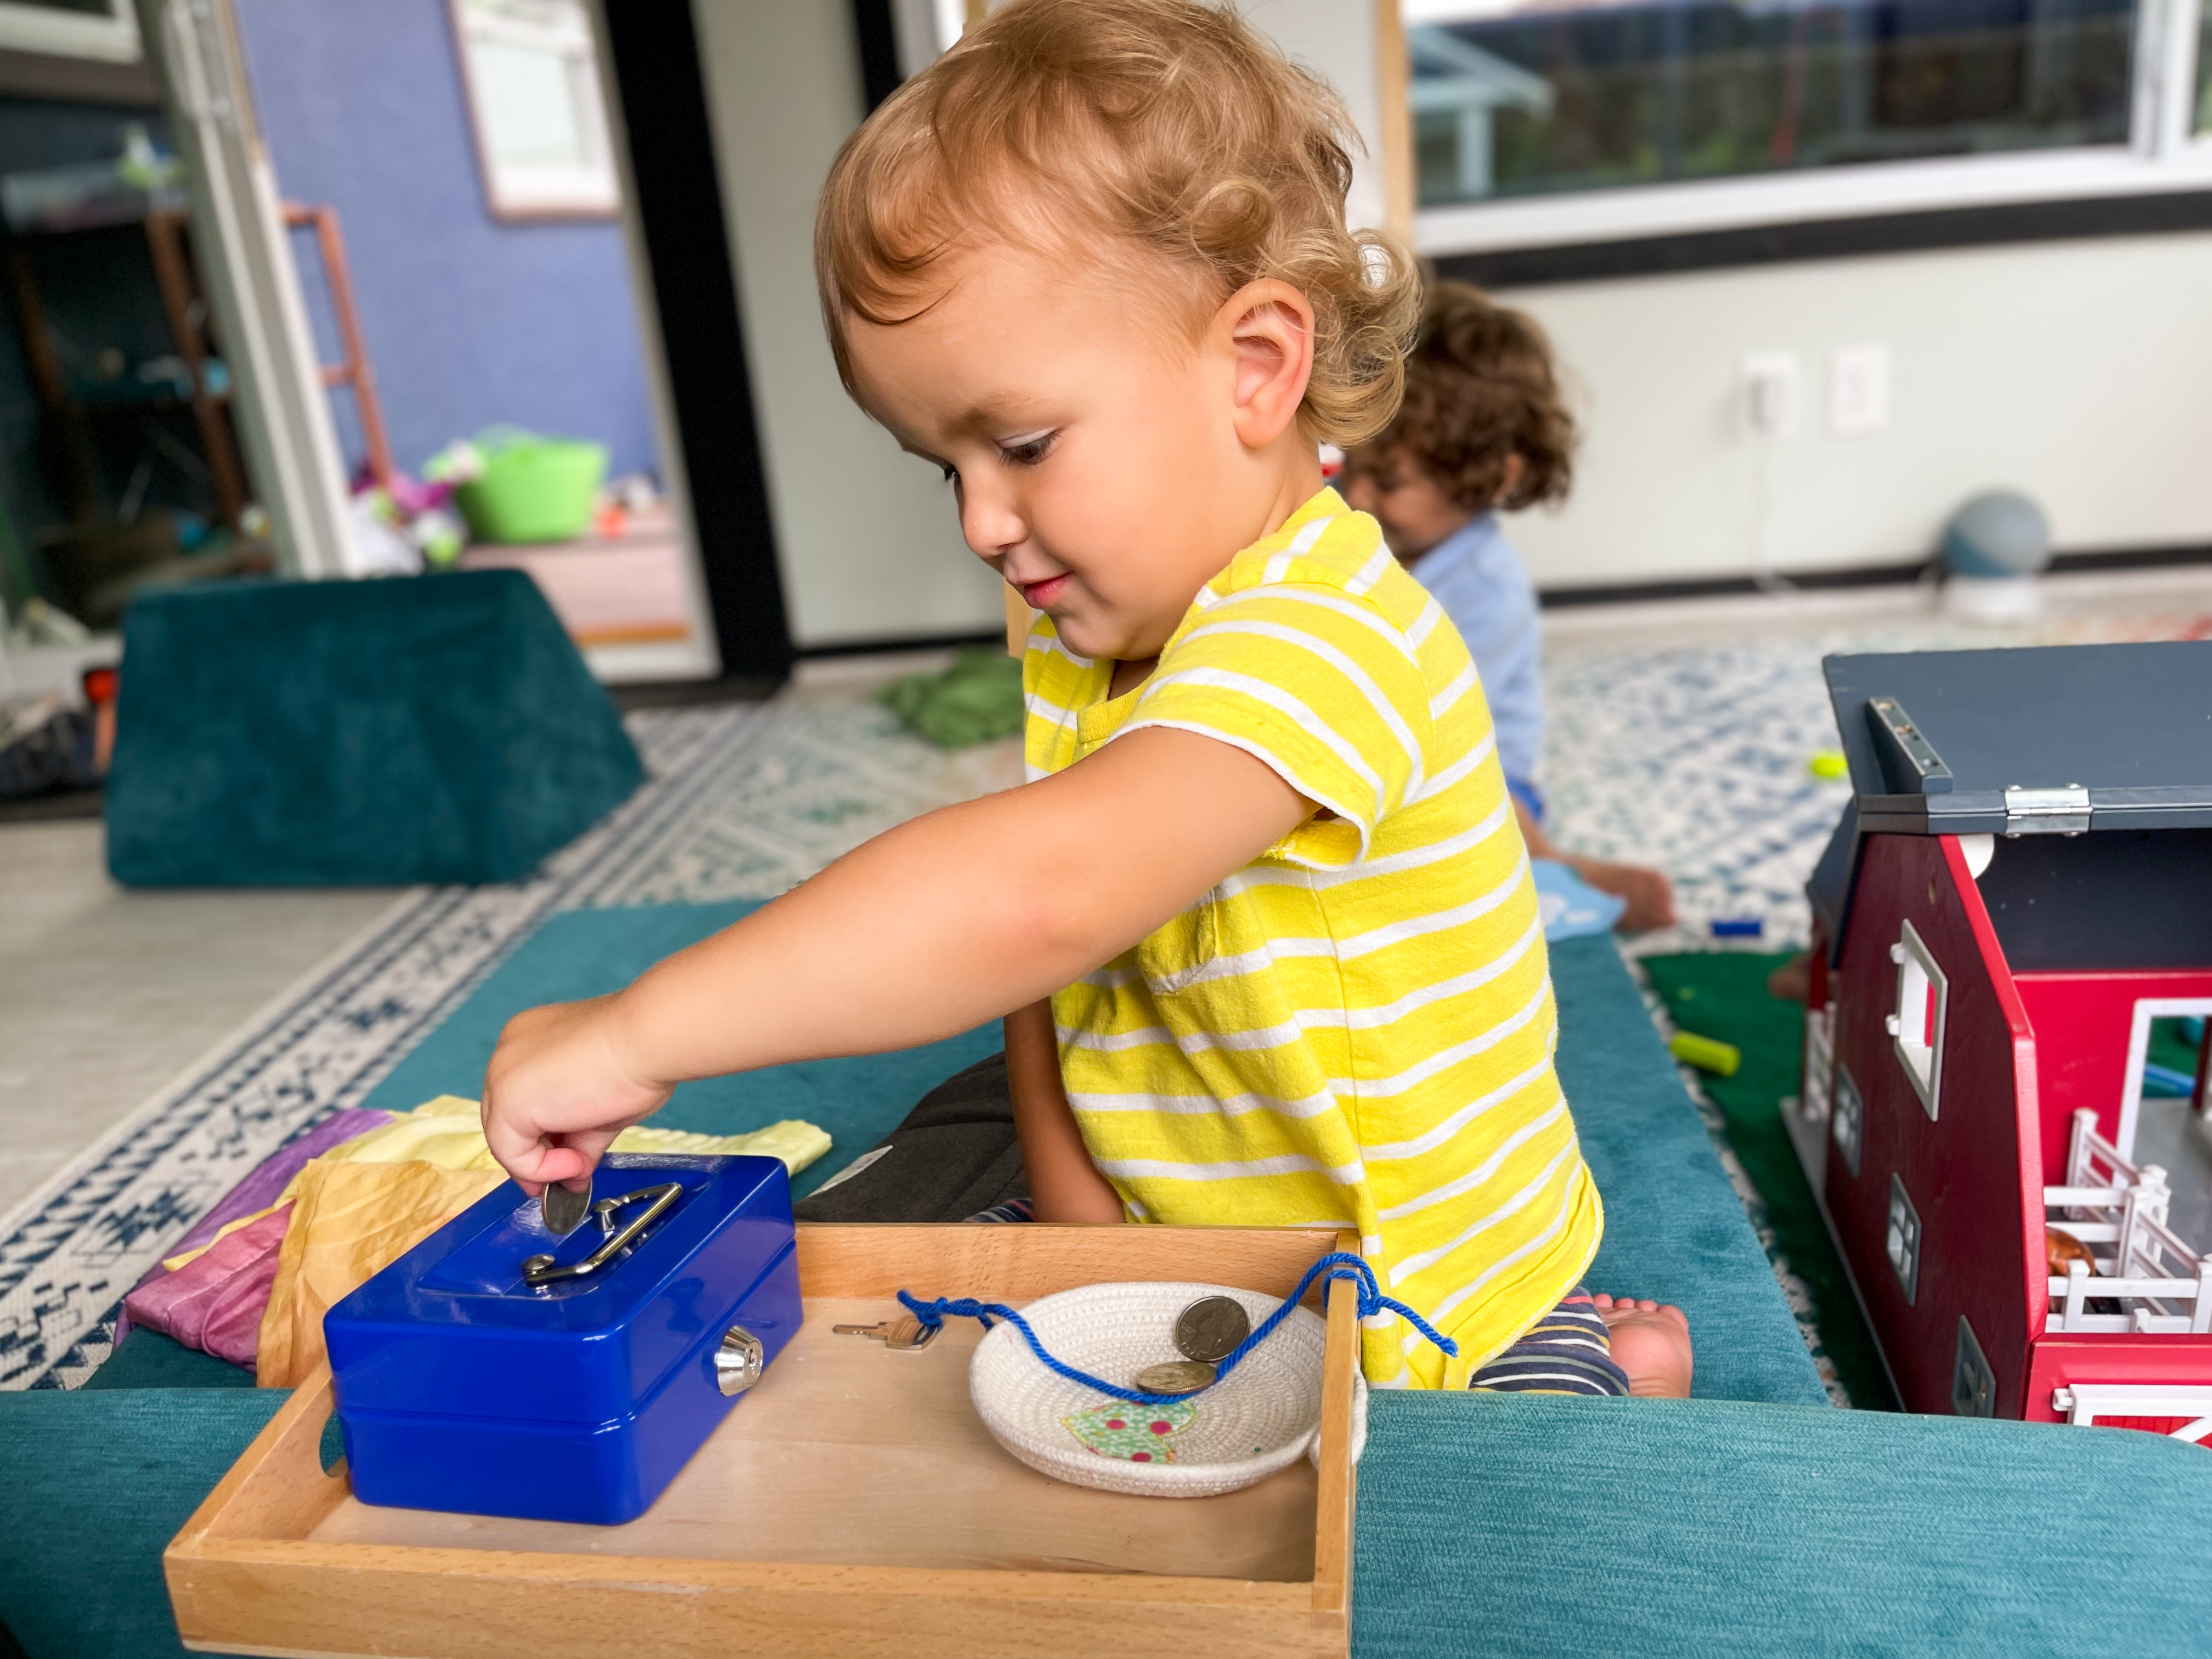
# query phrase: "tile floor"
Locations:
[[106, 994]]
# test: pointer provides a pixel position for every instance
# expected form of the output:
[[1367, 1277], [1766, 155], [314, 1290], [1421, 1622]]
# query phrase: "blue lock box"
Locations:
[[497, 1369]]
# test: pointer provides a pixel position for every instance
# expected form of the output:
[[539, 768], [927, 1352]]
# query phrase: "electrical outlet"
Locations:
[[1858, 389], [1771, 394]]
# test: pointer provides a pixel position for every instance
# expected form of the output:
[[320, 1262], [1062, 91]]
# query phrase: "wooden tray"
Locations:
[[852, 1504]]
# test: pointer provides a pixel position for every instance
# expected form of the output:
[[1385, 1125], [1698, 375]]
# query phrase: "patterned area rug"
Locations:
[[1692, 759], [743, 802]]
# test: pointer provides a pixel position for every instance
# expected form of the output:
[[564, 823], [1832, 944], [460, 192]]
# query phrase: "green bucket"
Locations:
[[532, 488]]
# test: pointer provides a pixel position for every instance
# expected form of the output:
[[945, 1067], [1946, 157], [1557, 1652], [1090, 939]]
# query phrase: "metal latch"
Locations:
[[2052, 809], [1909, 744], [540, 1270]]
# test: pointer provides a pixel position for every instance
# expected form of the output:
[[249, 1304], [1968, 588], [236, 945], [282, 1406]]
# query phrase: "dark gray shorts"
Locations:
[[953, 1156]]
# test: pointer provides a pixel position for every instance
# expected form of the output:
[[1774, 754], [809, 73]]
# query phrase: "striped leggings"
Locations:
[[1568, 1351]]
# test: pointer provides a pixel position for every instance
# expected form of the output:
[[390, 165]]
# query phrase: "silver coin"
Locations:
[[1211, 1328], [564, 1209], [1175, 1376]]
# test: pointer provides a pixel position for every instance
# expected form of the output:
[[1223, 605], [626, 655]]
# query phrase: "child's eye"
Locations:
[[1028, 452]]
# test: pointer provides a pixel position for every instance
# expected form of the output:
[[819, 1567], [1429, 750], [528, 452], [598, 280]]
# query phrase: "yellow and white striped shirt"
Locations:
[[1357, 1028]]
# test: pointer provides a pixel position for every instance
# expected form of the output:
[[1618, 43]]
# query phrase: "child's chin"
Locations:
[[1083, 641]]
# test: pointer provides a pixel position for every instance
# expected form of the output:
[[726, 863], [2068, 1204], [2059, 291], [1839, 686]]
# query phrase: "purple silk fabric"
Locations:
[[257, 1191], [215, 1302]]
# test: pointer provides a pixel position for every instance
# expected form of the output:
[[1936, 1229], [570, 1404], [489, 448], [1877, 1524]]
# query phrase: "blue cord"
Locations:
[[1334, 1266]]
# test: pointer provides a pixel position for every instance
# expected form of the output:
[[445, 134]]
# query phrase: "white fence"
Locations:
[[2119, 1212], [2085, 1402]]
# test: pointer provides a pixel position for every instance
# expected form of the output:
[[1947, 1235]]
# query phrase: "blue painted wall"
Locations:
[[468, 321]]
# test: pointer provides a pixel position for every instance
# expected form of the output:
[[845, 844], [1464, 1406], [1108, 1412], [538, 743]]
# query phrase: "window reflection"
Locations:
[[1528, 97]]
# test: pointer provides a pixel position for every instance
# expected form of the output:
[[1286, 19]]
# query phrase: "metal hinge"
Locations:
[[2052, 809]]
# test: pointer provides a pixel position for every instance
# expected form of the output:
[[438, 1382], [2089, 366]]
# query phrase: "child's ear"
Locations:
[[1269, 327]]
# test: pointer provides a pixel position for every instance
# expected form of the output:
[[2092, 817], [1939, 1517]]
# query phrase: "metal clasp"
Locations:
[[543, 1270], [2051, 810], [1910, 743]]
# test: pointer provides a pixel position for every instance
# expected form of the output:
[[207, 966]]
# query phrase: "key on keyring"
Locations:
[[905, 1334]]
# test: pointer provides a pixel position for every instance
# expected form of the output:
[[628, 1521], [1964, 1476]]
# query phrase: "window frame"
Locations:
[[2164, 155], [111, 36], [519, 194]]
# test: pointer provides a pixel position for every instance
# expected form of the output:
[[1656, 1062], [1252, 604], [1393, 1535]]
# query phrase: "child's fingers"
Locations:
[[532, 1159], [580, 1150], [537, 1161]]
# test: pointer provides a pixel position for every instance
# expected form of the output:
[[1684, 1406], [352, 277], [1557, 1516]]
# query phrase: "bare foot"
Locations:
[[1651, 1343], [1649, 895]]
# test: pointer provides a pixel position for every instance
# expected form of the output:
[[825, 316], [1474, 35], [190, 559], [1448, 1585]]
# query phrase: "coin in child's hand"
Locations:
[[1211, 1328], [562, 1209], [1175, 1376]]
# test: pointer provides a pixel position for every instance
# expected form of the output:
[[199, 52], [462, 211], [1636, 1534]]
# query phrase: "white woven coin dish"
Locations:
[[1265, 1415]]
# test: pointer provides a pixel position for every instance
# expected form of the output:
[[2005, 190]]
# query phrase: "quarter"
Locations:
[[562, 1208], [1211, 1328], [1176, 1376]]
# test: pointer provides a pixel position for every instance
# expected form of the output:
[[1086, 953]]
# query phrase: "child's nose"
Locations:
[[990, 525]]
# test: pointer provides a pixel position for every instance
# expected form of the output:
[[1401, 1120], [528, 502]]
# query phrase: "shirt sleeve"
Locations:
[[1320, 686]]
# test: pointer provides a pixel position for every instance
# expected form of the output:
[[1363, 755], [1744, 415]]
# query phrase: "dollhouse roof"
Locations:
[[2092, 764]]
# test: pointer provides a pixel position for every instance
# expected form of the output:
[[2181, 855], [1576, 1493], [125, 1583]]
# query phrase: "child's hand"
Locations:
[[558, 1091]]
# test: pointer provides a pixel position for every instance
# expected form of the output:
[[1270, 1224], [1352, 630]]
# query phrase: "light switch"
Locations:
[[1858, 389]]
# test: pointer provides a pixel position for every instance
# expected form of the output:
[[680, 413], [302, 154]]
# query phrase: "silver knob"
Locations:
[[740, 1361]]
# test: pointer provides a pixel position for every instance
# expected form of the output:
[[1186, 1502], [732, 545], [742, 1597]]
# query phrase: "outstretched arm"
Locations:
[[927, 930]]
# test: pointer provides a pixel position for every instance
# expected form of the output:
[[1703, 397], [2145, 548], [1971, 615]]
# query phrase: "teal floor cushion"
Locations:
[[1675, 1230], [1531, 1527], [434, 729], [1507, 1526], [1754, 1521]]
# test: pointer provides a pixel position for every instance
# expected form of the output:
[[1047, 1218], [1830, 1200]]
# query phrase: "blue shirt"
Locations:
[[1476, 577]]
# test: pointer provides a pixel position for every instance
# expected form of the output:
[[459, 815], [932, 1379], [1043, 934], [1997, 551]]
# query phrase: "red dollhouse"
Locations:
[[2021, 886]]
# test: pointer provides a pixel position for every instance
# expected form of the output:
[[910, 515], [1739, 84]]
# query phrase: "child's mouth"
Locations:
[[1039, 596]]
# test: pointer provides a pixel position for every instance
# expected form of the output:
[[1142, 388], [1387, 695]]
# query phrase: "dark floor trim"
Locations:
[[915, 642], [663, 104], [2164, 214], [55, 804], [1869, 575], [692, 694], [2132, 558]]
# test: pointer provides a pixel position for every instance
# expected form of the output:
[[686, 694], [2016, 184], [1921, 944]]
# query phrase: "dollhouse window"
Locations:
[[1851, 1111], [1903, 1243], [1918, 1024], [1973, 1384]]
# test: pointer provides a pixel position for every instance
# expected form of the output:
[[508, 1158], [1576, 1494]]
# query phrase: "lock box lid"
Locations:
[[456, 1326], [2056, 747]]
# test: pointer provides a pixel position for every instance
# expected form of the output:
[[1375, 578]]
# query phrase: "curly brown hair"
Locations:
[[1480, 390], [1165, 128]]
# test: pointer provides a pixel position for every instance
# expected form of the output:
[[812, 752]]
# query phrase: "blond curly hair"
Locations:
[[1106, 127]]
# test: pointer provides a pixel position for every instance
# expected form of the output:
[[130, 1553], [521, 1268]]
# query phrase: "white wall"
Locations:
[[1335, 39], [2078, 372], [867, 537], [868, 542]]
